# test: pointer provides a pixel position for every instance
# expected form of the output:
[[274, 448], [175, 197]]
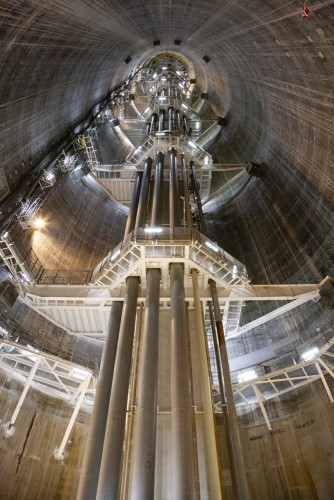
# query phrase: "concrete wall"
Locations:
[[294, 461]]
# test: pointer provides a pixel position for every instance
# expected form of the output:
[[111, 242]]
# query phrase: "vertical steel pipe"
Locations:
[[161, 120], [92, 459], [222, 396], [156, 218], [242, 483], [130, 223], [197, 199], [186, 194], [178, 120], [143, 198], [154, 120], [182, 444], [185, 125], [111, 461], [174, 196], [170, 118], [144, 435], [211, 449]]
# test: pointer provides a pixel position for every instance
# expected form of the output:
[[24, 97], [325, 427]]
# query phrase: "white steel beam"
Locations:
[[59, 452], [274, 314], [23, 395]]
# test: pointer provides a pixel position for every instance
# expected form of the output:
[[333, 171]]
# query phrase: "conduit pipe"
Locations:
[[211, 448], [111, 461], [157, 193], [143, 198], [186, 193], [170, 118], [197, 199], [178, 120], [242, 483], [93, 452], [183, 459], [154, 120], [144, 435], [222, 397], [174, 197], [130, 223], [161, 120]]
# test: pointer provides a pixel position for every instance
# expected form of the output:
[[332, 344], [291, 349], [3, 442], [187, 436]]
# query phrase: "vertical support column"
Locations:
[[174, 197], [60, 451], [157, 194], [144, 437], [213, 476], [182, 445], [143, 198], [130, 223], [197, 199], [260, 399], [110, 471], [186, 194], [27, 384], [154, 121], [92, 459], [242, 484], [161, 120], [170, 118]]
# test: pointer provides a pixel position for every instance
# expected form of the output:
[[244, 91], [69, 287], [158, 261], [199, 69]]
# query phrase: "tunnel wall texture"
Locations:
[[293, 461], [271, 75]]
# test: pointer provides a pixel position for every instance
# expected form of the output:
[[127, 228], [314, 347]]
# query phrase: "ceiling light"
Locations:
[[246, 376], [5, 235], [310, 354]]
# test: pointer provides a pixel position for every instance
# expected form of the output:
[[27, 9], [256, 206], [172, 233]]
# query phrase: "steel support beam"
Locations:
[[93, 452], [27, 384], [59, 453]]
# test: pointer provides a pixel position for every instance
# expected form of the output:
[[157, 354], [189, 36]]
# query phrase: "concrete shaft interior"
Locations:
[[166, 249]]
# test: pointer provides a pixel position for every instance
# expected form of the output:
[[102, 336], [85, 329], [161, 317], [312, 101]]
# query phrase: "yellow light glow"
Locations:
[[39, 223]]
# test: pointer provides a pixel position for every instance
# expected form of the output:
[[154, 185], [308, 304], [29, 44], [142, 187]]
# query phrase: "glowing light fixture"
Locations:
[[115, 255], [39, 223], [153, 230], [247, 376], [79, 374], [212, 246], [310, 354]]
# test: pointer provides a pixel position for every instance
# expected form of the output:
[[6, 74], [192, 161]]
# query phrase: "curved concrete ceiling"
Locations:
[[270, 71]]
